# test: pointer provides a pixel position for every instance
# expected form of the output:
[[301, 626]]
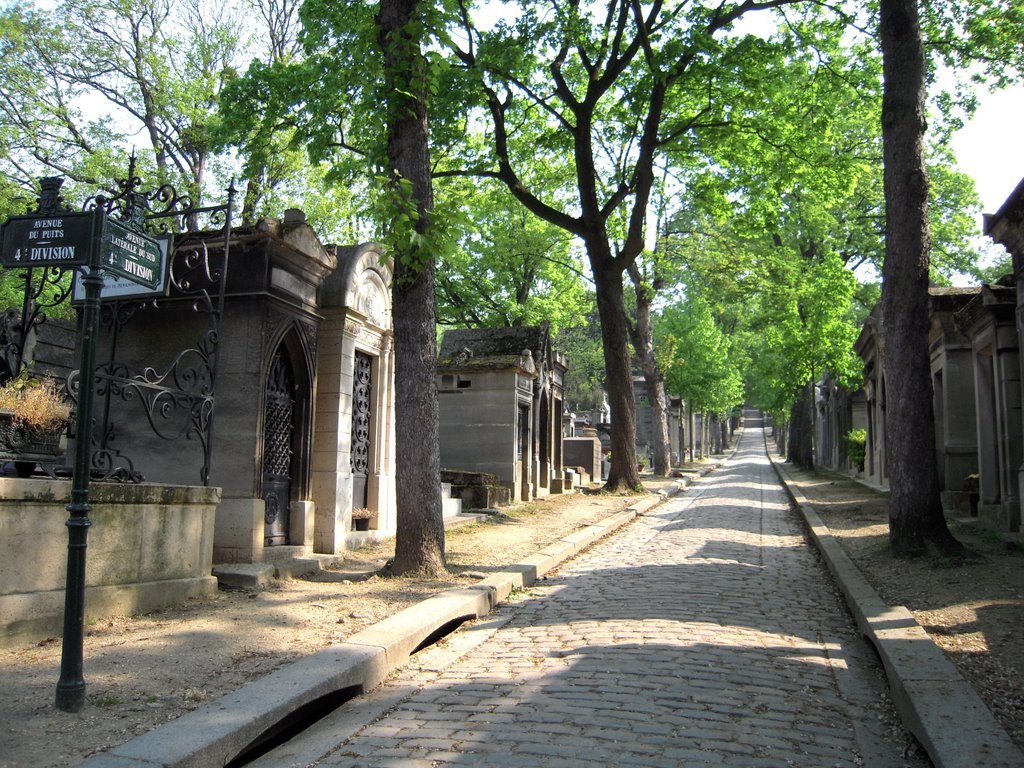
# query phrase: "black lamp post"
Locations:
[[71, 685]]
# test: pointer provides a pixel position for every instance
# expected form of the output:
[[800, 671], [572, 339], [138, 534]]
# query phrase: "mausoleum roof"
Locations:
[[490, 342], [466, 363]]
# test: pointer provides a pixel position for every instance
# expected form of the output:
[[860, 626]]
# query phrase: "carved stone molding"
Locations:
[[274, 322]]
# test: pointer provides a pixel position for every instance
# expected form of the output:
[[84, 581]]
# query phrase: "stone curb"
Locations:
[[219, 732], [935, 702]]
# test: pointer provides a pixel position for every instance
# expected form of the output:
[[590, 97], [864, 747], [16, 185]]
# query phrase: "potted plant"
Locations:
[[361, 519], [33, 416]]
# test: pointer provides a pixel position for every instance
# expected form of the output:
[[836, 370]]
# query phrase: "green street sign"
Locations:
[[55, 240], [132, 255]]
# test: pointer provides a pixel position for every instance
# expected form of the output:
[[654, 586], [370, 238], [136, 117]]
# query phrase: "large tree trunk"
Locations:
[[800, 449], [611, 308], [916, 522], [642, 335], [419, 544]]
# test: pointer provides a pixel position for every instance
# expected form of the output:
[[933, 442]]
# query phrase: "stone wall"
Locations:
[[148, 546], [584, 453]]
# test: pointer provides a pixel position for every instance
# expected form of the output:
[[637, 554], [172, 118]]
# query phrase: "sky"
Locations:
[[990, 148]]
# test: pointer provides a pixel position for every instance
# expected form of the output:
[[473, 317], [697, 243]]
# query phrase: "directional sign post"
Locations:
[[70, 696], [131, 254], [54, 237]]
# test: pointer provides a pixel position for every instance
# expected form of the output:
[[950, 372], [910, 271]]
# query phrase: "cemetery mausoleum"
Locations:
[[976, 342], [258, 380], [500, 401]]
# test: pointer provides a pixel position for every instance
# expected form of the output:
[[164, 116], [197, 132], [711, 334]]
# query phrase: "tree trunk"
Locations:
[[781, 437], [702, 439], [611, 308], [800, 450], [642, 335], [916, 521], [419, 543]]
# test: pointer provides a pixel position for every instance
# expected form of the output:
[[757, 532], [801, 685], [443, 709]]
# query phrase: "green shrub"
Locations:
[[856, 441]]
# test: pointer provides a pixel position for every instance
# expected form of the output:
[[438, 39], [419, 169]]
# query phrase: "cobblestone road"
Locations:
[[706, 633]]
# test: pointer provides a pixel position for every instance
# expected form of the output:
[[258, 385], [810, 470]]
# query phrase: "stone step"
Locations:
[[278, 563], [451, 506]]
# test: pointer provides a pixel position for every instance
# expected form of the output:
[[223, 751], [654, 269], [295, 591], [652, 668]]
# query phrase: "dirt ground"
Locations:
[[142, 671], [973, 608]]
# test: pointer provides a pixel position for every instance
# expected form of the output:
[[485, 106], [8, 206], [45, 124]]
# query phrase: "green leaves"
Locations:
[[508, 268], [82, 79], [696, 357]]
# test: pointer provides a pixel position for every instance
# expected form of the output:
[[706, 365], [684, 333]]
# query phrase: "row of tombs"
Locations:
[[303, 446], [976, 342]]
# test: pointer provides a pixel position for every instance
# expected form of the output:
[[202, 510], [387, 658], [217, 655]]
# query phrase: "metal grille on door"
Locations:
[[361, 391], [278, 426]]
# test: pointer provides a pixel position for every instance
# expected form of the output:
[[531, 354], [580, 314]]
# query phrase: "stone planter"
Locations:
[[25, 446]]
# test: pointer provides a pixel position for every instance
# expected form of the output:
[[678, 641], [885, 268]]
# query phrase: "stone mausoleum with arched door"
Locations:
[[302, 429]]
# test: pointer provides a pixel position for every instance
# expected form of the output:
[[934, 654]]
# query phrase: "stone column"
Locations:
[[1009, 397], [331, 484], [380, 491]]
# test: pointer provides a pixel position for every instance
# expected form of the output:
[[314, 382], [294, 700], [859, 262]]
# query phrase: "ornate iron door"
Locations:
[[361, 390], [523, 443], [278, 429]]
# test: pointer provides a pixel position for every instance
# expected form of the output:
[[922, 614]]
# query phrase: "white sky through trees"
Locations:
[[989, 149]]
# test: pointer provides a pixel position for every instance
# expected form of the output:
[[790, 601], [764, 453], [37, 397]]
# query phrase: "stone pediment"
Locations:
[[361, 283], [526, 349], [997, 301], [1006, 226]]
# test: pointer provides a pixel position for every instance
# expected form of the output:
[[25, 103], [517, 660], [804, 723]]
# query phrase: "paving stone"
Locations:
[[705, 632]]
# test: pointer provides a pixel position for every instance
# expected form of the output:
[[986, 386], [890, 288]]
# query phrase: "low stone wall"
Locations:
[[148, 546]]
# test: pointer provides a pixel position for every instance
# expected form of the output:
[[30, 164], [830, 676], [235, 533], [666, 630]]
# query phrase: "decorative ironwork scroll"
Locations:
[[176, 398]]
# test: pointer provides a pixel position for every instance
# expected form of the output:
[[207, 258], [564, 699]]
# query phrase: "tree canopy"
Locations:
[[555, 131], [508, 268]]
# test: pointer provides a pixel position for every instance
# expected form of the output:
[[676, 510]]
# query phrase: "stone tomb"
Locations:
[[1006, 227], [583, 454], [675, 414], [956, 438], [500, 395], [988, 321], [305, 334], [354, 444]]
